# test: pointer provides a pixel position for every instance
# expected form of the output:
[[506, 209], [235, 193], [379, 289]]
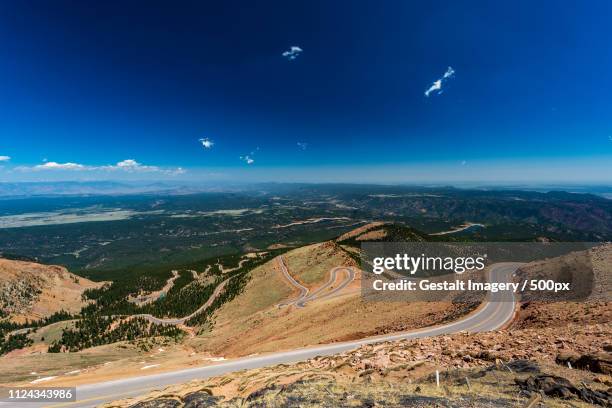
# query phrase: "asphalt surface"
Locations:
[[321, 293], [304, 297], [493, 314], [303, 289], [167, 320], [181, 320]]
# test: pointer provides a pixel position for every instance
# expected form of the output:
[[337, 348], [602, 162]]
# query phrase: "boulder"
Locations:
[[567, 357], [200, 399], [559, 387], [550, 385], [158, 403], [523, 366], [597, 362]]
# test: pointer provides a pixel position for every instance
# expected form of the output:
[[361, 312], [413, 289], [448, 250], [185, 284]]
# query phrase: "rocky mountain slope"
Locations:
[[595, 309], [31, 291], [556, 354]]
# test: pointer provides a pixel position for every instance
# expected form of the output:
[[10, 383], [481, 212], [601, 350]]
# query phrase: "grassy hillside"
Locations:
[[254, 323]]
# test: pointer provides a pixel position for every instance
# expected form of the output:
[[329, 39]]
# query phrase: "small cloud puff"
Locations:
[[437, 85], [449, 73], [292, 53], [302, 145], [5, 158], [247, 159], [207, 143], [131, 165]]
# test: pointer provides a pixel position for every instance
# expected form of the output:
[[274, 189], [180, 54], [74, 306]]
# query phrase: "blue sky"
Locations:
[[126, 90]]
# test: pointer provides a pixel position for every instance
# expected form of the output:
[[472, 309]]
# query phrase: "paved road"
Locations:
[[497, 311], [153, 296], [318, 294], [303, 289], [463, 227], [168, 320], [181, 320], [304, 297]]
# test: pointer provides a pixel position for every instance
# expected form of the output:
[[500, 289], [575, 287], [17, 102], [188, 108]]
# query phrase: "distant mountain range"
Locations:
[[110, 188], [89, 188]]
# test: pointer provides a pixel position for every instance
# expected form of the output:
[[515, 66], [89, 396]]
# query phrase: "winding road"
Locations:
[[491, 315], [316, 295], [303, 289], [161, 320], [181, 320], [304, 297]]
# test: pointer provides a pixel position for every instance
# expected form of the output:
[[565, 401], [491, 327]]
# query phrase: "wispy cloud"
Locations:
[[292, 53], [127, 166], [449, 73], [436, 87], [302, 145], [5, 158], [207, 143], [247, 159]]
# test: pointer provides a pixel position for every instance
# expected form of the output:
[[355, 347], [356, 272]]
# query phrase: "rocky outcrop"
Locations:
[[559, 387], [595, 362]]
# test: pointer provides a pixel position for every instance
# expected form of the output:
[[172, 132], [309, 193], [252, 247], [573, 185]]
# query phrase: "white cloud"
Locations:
[[207, 143], [60, 166], [292, 53], [5, 158], [247, 159], [437, 84], [127, 166], [250, 158], [132, 166], [302, 145], [449, 73], [129, 163]]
